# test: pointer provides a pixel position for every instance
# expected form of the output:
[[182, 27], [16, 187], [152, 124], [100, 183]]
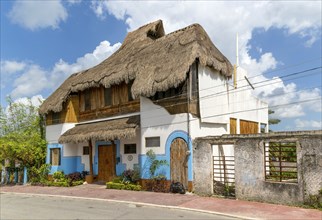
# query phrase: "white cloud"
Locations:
[[222, 20], [10, 66], [33, 79], [74, 1], [62, 69], [35, 100], [38, 14], [307, 124]]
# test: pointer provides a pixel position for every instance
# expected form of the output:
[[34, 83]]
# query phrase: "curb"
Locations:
[[136, 203]]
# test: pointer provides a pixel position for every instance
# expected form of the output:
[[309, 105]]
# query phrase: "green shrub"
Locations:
[[39, 175], [77, 183], [120, 186], [118, 179], [59, 176], [132, 187], [111, 185], [132, 176]]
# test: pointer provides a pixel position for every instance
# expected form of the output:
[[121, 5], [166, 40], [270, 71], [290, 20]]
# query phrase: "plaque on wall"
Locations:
[[129, 157]]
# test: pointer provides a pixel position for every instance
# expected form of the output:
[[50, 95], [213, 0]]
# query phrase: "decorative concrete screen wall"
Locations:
[[281, 167]]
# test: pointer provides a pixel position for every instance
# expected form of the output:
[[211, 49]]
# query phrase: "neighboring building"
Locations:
[[156, 92]]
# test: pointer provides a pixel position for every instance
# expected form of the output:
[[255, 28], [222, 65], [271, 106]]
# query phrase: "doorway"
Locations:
[[178, 161], [106, 162]]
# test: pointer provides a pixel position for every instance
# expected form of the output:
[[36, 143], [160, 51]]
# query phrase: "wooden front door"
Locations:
[[106, 162], [178, 161]]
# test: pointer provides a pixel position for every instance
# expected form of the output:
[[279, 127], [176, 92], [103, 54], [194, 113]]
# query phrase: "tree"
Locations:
[[22, 134], [272, 121]]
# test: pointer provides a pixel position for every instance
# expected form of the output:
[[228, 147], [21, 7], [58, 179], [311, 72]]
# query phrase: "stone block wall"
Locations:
[[250, 183]]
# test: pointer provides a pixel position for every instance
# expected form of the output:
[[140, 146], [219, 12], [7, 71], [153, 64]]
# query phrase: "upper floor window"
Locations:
[[129, 86], [172, 92], [194, 81], [87, 99], [107, 96], [55, 117]]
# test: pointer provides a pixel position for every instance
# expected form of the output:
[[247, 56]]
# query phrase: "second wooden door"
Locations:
[[178, 161]]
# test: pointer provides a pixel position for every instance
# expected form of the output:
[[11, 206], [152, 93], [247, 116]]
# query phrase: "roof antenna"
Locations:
[[237, 63]]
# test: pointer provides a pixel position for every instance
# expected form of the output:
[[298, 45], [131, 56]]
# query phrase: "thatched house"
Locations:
[[157, 91]]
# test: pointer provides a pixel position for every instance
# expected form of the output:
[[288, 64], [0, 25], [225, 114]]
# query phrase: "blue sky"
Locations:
[[43, 42]]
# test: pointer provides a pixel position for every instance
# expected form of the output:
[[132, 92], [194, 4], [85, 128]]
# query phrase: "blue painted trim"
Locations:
[[183, 135], [68, 164], [165, 170], [120, 167], [25, 175]]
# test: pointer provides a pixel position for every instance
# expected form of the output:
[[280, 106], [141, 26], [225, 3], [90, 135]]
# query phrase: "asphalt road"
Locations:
[[15, 206]]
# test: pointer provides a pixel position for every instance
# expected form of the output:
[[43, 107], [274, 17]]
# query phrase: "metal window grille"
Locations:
[[129, 148], [281, 162], [152, 141]]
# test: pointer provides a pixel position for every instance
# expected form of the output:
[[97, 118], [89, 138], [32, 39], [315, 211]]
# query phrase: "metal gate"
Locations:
[[224, 173]]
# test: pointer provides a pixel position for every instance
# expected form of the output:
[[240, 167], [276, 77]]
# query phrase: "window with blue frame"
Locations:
[[55, 157]]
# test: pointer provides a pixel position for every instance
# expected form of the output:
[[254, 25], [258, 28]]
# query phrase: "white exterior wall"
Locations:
[[219, 101], [203, 129], [53, 132], [213, 96], [245, 106], [157, 122], [126, 157]]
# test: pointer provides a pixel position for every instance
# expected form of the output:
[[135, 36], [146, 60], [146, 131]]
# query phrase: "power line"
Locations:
[[246, 86], [231, 113], [233, 91], [243, 101]]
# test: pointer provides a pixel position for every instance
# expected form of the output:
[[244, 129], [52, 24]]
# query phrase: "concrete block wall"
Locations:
[[250, 181]]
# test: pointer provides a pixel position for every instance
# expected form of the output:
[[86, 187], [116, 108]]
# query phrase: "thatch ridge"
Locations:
[[156, 62], [124, 128]]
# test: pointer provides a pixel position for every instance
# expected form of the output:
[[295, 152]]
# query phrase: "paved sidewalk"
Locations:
[[229, 207]]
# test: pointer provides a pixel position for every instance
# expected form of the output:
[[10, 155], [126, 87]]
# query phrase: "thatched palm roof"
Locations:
[[104, 130], [155, 61]]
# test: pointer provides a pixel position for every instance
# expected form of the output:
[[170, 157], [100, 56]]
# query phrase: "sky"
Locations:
[[43, 42]]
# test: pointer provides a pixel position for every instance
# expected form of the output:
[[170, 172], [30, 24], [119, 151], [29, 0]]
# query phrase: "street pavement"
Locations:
[[225, 207], [26, 206]]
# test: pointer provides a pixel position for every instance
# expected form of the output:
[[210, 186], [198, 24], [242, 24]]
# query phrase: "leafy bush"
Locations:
[[76, 176], [132, 187], [120, 186], [59, 184], [59, 176], [132, 176], [158, 184], [77, 183], [111, 185], [155, 164], [118, 179], [39, 175]]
